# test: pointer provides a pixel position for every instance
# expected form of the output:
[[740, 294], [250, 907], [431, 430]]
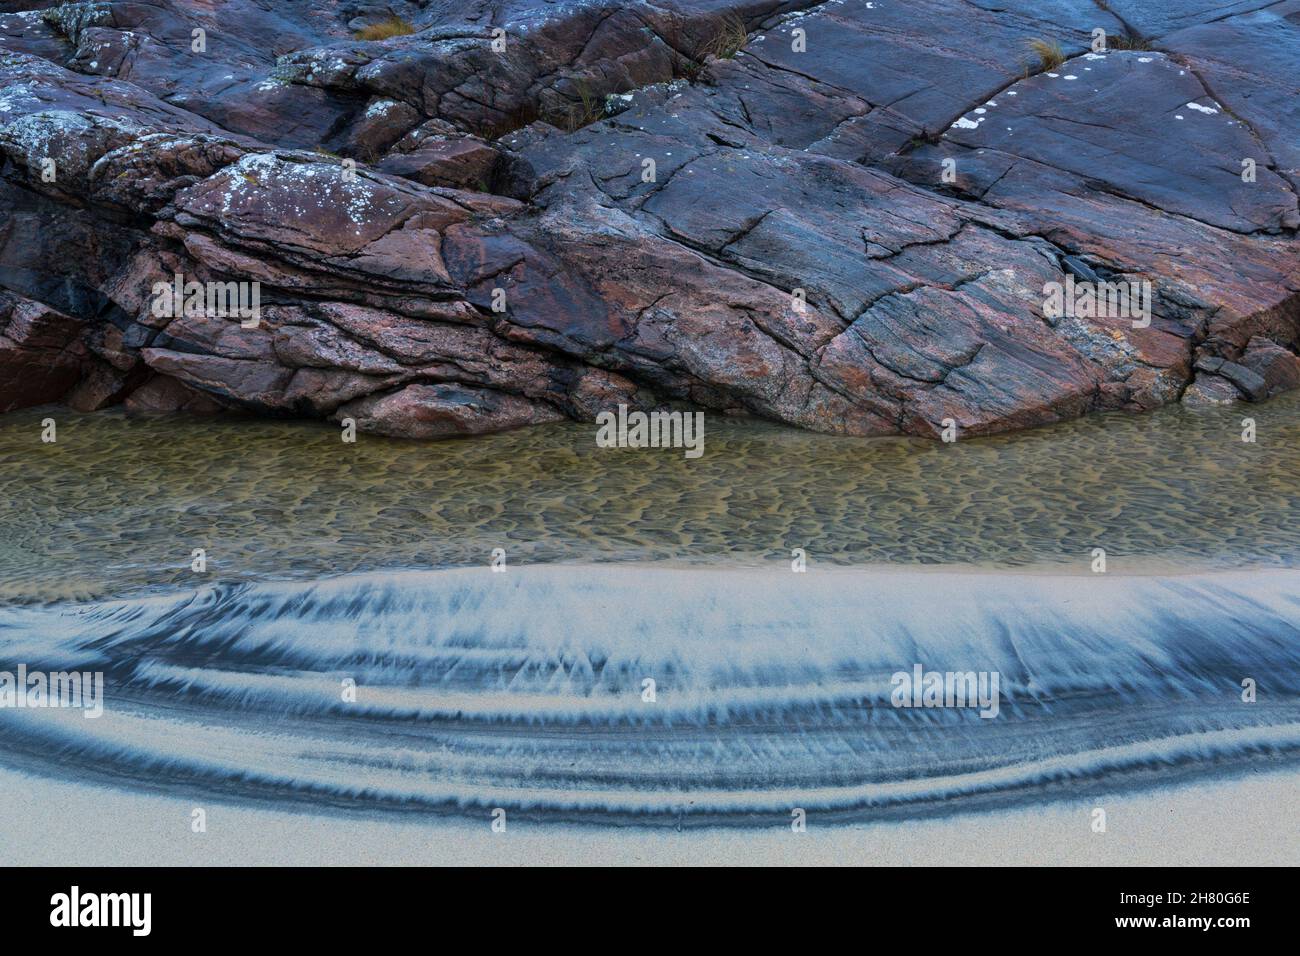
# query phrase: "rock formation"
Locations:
[[842, 215]]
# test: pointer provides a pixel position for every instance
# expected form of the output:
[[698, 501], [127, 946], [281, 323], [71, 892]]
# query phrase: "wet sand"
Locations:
[[1252, 821]]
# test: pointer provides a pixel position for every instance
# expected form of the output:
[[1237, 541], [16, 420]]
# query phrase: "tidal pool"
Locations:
[[119, 504]]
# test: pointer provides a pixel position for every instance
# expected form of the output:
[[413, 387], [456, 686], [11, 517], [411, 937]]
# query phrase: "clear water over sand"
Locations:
[[118, 505]]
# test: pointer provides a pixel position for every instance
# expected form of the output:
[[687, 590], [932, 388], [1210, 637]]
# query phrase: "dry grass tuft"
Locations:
[[588, 109], [1048, 52], [392, 27], [727, 40], [1127, 41], [692, 43]]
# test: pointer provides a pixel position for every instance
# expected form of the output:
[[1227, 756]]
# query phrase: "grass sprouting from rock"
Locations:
[[392, 27]]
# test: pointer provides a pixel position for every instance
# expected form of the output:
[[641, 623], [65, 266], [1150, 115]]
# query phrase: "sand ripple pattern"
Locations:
[[524, 690]]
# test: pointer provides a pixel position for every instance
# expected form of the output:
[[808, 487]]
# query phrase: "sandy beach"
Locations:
[[1253, 821]]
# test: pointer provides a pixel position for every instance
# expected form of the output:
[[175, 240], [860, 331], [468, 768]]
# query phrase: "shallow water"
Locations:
[[117, 504], [525, 690]]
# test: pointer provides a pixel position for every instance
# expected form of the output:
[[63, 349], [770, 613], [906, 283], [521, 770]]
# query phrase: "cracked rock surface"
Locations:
[[841, 215]]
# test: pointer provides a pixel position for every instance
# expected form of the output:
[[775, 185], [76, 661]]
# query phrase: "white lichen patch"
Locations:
[[71, 137], [379, 108], [18, 97], [285, 191], [616, 103], [1202, 109]]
